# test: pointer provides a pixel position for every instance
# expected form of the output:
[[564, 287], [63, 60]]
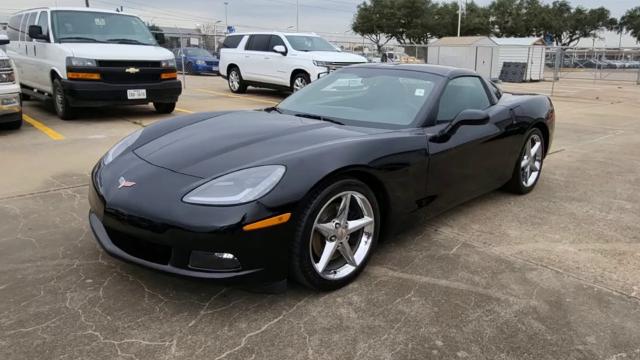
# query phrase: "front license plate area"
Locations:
[[136, 94]]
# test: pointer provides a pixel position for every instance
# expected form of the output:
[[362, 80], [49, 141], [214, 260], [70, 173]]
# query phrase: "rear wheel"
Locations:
[[528, 168], [164, 108], [60, 102], [299, 81], [236, 84], [335, 235]]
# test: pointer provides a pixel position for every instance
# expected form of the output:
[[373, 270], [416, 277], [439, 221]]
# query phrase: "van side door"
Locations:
[[43, 54], [29, 71]]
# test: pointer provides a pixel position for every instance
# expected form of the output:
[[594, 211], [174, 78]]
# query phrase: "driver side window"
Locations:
[[463, 93]]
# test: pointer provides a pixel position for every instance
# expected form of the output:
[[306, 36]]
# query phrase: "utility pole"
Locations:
[[459, 16], [86, 3], [297, 15], [226, 17]]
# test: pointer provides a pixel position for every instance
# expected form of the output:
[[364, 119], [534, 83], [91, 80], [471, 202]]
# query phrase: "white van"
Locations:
[[10, 105], [85, 57], [279, 60]]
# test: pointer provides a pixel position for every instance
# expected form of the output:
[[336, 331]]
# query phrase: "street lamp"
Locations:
[[297, 15], [226, 16], [215, 36]]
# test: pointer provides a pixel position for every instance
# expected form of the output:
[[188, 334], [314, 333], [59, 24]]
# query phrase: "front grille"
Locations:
[[145, 250], [129, 63], [338, 65], [127, 78]]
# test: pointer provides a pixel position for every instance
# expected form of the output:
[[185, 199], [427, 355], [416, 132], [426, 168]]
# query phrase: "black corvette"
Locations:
[[303, 190]]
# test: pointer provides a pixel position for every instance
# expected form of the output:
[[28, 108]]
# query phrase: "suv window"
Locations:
[[462, 93], [275, 41], [31, 21], [13, 31], [232, 41], [258, 43], [43, 21]]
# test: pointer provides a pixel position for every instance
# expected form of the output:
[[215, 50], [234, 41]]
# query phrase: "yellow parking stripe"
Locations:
[[184, 111], [42, 127], [270, 102]]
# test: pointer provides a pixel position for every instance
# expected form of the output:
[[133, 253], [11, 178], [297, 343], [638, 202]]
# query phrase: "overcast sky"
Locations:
[[322, 16]]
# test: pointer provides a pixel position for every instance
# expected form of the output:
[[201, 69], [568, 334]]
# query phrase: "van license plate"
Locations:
[[136, 94]]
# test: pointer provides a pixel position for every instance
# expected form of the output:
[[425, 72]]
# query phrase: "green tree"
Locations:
[[372, 21], [568, 25], [630, 22], [475, 20], [517, 18]]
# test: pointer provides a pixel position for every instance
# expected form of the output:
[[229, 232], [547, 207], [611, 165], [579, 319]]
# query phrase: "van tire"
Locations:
[[25, 97], [60, 102], [164, 108]]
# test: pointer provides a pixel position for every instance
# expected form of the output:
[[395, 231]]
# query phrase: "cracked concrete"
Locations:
[[552, 275]]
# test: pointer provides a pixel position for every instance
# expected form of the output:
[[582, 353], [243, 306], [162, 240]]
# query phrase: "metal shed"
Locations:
[[479, 53], [530, 50]]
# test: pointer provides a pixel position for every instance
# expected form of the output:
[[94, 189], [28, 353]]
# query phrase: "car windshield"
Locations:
[[89, 26], [309, 43], [197, 52], [379, 98]]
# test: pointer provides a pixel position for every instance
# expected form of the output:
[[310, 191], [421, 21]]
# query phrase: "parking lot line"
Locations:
[[42, 127], [270, 102], [184, 111]]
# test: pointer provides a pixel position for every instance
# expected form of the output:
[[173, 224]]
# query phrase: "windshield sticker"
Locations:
[[100, 21], [419, 92]]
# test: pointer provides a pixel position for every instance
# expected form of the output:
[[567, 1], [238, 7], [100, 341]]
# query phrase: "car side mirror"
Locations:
[[280, 49], [467, 117], [160, 38], [4, 40], [35, 32]]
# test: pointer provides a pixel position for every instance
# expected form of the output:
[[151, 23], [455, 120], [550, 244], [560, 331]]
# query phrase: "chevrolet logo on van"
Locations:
[[132, 70]]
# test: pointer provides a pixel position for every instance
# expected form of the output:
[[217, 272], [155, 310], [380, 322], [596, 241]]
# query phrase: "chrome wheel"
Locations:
[[299, 83], [342, 235], [234, 80], [531, 162]]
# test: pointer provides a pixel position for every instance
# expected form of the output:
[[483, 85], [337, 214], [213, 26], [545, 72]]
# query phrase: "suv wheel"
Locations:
[[60, 102], [300, 81], [236, 84], [164, 108]]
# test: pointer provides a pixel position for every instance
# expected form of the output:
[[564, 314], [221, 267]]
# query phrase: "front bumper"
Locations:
[[149, 225], [97, 93], [10, 107], [205, 69]]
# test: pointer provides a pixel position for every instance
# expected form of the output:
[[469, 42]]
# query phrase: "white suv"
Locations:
[[279, 60]]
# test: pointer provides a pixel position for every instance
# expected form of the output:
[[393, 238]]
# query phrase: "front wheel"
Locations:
[[300, 81], [236, 84], [164, 108], [60, 102], [335, 235], [527, 170]]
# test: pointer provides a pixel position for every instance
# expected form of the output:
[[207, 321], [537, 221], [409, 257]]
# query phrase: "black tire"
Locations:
[[300, 77], [164, 108], [61, 103], [25, 97], [301, 266], [14, 125], [516, 184], [241, 87]]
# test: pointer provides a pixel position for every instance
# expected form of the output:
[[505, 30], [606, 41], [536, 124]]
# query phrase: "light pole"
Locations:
[[459, 16], [215, 36], [226, 17], [297, 15]]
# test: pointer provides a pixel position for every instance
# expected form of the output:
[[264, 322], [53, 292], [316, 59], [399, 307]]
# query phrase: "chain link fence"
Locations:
[[593, 64]]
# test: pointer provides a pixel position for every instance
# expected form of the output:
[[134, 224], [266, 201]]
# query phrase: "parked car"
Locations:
[[196, 60], [82, 57], [279, 60], [10, 102], [304, 189]]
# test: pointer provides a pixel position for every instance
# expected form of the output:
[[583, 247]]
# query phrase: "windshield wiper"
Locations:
[[127, 41], [318, 117], [273, 108], [80, 38]]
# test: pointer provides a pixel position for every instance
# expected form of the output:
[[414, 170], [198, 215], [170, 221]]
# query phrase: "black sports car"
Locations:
[[304, 189]]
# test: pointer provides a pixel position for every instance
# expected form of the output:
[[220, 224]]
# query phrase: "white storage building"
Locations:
[[486, 55]]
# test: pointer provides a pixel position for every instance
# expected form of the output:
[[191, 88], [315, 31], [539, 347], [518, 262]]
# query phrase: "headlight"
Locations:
[[171, 63], [76, 61], [120, 147], [321, 63], [6, 72], [200, 62], [238, 187]]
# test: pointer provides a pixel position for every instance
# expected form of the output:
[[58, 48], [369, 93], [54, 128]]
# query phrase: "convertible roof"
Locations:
[[446, 71]]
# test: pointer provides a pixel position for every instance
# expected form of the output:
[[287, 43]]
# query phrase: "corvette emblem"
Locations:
[[124, 183], [132, 70]]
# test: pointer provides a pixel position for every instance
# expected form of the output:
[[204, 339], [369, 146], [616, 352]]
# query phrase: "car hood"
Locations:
[[118, 51], [242, 139], [334, 56]]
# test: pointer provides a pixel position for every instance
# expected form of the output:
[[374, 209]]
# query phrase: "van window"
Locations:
[[258, 43], [13, 31], [31, 21], [232, 41], [43, 21]]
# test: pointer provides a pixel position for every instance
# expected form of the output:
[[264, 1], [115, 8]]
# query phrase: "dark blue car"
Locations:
[[196, 60]]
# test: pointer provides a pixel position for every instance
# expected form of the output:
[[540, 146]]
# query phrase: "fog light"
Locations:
[[13, 100], [203, 260]]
